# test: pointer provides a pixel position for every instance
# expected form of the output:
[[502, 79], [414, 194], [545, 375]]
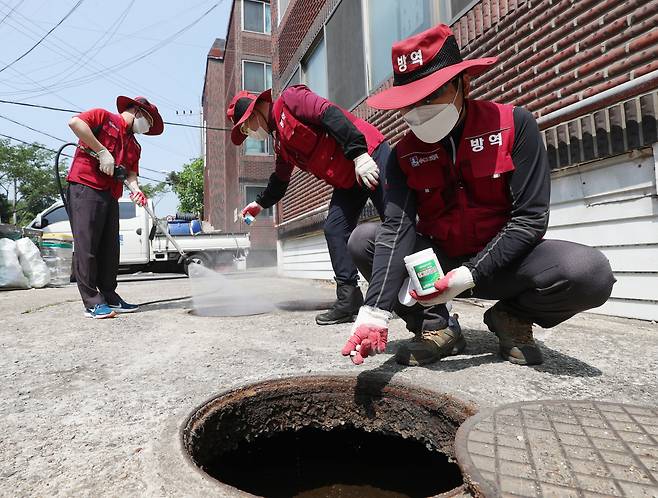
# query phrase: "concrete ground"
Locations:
[[93, 407]]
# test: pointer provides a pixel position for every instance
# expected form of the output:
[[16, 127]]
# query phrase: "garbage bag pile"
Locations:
[[21, 265]]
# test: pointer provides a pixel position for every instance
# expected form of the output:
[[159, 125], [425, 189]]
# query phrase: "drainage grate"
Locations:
[[561, 448], [329, 436]]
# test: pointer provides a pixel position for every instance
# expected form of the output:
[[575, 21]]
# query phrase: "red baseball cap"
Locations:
[[240, 108], [124, 103], [422, 64]]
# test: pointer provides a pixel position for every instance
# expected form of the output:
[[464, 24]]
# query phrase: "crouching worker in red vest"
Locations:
[[471, 181], [93, 195], [332, 144]]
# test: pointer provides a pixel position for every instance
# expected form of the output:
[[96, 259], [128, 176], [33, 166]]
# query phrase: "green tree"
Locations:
[[154, 190], [187, 184], [26, 173]]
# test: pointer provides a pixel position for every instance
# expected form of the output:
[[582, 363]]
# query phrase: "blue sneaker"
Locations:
[[100, 311], [124, 307]]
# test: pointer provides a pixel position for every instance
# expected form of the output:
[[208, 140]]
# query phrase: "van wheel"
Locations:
[[199, 259]]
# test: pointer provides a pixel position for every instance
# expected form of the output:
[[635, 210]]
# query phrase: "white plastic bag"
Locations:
[[34, 268], [11, 273]]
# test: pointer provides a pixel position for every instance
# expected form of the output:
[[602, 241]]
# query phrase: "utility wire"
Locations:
[[33, 129], [11, 11], [36, 146], [44, 36], [60, 109]]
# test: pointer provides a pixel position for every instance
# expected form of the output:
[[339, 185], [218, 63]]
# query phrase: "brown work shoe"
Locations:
[[432, 345], [515, 337]]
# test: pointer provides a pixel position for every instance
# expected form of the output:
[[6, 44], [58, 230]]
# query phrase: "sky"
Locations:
[[104, 49]]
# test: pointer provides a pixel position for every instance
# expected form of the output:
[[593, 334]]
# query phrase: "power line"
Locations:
[[36, 146], [11, 11], [33, 129], [44, 36], [60, 109]]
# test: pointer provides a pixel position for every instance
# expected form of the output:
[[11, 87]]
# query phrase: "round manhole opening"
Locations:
[[329, 436]]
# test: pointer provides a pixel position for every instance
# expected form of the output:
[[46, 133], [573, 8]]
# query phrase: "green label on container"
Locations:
[[59, 245], [427, 274]]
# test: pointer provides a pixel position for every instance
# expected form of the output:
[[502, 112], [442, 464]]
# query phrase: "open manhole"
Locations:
[[329, 436]]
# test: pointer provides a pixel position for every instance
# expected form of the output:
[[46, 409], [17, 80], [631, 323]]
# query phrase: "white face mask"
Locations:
[[141, 125], [432, 122], [259, 134]]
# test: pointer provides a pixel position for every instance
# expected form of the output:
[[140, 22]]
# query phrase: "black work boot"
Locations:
[[432, 345], [515, 336], [348, 301]]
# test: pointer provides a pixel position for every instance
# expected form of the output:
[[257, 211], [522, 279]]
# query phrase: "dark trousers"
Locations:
[[94, 216], [554, 281], [344, 210]]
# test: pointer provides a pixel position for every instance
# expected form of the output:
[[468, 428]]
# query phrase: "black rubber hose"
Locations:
[[58, 179]]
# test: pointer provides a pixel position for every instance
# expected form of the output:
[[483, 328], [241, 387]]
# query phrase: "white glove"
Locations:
[[369, 334], [448, 287], [367, 171], [107, 162]]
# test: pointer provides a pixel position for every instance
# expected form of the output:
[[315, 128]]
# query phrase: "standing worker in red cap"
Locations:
[[332, 144], [471, 181], [93, 195]]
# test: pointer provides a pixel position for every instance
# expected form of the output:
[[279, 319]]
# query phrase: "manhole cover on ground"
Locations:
[[329, 437], [561, 449]]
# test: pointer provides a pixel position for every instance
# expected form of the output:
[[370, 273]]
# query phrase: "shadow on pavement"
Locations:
[[482, 348], [167, 304]]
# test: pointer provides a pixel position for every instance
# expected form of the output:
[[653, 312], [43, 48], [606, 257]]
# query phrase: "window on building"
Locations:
[[458, 6], [256, 16], [314, 69], [250, 193], [283, 5], [253, 147], [388, 22], [256, 76], [345, 54], [295, 79]]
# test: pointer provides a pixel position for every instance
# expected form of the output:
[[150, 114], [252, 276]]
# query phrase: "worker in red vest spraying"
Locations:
[[106, 140], [332, 144], [471, 182]]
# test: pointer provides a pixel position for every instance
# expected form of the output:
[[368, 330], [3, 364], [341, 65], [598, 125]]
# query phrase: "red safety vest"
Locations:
[[312, 149], [123, 147], [463, 203]]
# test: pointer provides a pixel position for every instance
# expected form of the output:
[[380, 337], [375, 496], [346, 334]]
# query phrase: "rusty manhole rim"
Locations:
[[424, 396], [473, 480]]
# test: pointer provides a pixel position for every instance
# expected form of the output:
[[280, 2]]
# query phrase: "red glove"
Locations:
[[138, 198], [253, 208], [369, 334], [447, 288]]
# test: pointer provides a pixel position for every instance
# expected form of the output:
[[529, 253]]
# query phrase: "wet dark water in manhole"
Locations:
[[345, 463]]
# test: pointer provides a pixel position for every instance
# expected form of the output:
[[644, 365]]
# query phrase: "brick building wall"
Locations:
[[228, 169], [552, 54]]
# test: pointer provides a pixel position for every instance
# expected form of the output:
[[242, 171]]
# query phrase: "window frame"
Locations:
[[320, 38], [269, 149], [281, 13], [261, 187], [263, 3], [436, 7], [264, 64]]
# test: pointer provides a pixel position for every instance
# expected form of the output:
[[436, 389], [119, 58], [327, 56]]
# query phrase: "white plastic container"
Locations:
[[424, 269]]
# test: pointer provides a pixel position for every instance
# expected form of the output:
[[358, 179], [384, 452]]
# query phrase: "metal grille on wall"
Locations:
[[613, 130]]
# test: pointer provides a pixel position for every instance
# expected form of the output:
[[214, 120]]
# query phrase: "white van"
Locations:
[[142, 246]]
